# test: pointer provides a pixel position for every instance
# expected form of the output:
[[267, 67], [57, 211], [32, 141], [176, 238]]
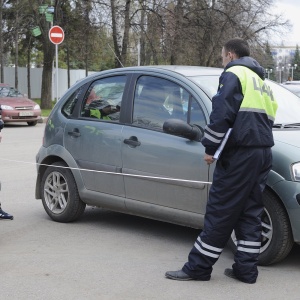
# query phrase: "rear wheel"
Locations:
[[277, 238], [60, 195]]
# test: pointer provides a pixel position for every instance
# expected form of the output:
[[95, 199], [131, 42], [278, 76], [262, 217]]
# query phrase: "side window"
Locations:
[[196, 115], [155, 101], [103, 99], [68, 107]]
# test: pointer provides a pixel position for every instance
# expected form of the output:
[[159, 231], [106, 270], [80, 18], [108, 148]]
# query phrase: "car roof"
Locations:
[[187, 71], [190, 70]]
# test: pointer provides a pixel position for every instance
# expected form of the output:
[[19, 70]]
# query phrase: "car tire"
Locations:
[[60, 195], [33, 123], [277, 238]]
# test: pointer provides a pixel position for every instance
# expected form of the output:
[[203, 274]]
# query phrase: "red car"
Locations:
[[16, 107]]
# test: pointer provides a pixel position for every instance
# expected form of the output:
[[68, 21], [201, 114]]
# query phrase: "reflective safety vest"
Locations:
[[97, 114], [254, 120], [258, 96]]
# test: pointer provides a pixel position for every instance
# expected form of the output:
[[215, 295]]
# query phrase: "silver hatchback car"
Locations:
[[129, 140]]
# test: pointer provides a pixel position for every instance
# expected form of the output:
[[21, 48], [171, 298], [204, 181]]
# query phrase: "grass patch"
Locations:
[[45, 112]]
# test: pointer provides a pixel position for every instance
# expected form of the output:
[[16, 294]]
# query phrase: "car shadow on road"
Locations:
[[292, 260], [157, 229], [138, 225], [16, 125]]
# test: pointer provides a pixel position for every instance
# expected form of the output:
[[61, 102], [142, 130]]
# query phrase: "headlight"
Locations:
[[296, 171], [6, 107], [36, 107]]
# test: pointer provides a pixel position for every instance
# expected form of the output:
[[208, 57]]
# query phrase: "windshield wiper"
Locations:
[[287, 125], [292, 125]]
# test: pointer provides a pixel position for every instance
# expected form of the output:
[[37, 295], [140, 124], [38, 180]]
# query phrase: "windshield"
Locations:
[[6, 91], [295, 88], [288, 102]]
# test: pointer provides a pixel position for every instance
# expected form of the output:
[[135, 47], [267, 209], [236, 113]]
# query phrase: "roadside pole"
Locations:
[[56, 36]]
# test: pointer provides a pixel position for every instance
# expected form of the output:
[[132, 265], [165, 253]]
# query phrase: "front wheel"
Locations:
[[33, 123], [277, 238], [59, 193]]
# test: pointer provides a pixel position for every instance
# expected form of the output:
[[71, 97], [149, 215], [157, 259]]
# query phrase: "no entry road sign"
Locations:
[[56, 35]]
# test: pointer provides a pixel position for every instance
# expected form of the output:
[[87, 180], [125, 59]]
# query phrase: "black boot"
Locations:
[[5, 216]]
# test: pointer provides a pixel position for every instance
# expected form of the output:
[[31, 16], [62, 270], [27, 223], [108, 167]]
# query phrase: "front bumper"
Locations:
[[21, 116]]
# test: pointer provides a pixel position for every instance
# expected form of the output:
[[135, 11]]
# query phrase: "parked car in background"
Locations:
[[16, 107], [293, 86], [128, 140]]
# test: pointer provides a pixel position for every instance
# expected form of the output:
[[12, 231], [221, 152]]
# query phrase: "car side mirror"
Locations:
[[183, 129]]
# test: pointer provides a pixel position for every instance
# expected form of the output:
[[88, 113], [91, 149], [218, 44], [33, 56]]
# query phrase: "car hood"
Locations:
[[16, 101], [289, 137], [286, 152]]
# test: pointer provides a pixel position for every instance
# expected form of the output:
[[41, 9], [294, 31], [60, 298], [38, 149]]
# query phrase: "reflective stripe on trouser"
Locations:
[[235, 202]]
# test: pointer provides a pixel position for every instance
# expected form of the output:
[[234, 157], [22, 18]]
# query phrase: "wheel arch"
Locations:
[[275, 195], [51, 159]]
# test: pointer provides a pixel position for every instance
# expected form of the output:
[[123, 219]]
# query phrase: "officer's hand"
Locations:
[[209, 159]]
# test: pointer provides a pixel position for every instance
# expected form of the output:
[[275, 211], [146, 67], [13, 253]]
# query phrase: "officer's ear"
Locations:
[[230, 55]]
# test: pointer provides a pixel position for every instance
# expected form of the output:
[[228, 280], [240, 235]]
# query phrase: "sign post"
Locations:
[[56, 36]]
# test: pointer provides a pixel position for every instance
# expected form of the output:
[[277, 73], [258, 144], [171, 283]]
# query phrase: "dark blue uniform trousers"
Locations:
[[235, 202]]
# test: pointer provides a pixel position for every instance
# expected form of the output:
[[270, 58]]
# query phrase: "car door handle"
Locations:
[[74, 133], [132, 141]]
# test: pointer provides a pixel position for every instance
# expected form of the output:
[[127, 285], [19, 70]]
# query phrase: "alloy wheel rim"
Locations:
[[267, 231], [56, 192]]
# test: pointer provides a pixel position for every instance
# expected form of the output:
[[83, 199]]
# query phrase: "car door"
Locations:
[[94, 139], [165, 167]]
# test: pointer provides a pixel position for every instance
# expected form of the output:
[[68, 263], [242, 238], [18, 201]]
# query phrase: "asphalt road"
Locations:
[[105, 255]]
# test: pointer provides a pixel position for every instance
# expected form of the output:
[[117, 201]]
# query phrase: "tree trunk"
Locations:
[[142, 38], [126, 32], [16, 60], [1, 44], [49, 51], [87, 8], [28, 68], [68, 63], [115, 34], [177, 48], [46, 86], [17, 48]]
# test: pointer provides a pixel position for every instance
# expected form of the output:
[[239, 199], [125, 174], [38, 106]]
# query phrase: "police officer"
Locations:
[[3, 214], [244, 103]]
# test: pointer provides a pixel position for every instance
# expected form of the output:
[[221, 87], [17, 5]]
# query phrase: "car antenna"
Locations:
[[115, 55]]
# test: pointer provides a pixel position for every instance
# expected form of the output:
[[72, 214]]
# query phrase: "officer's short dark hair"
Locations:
[[238, 46]]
